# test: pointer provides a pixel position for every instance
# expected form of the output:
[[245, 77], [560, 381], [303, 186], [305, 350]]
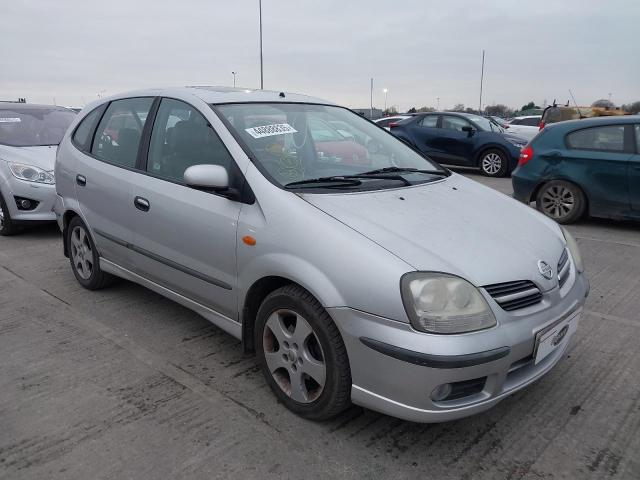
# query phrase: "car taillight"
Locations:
[[541, 125], [393, 124], [526, 154]]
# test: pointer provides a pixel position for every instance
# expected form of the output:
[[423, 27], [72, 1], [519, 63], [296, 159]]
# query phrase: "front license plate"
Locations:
[[555, 335]]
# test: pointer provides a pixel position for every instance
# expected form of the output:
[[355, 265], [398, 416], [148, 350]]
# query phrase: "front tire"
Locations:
[[7, 227], [84, 258], [493, 163], [562, 201], [302, 355]]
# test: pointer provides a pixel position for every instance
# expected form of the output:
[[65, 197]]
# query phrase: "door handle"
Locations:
[[81, 180], [142, 204]]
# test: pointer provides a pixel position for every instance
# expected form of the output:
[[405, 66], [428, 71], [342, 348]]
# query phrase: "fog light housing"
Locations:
[[441, 392], [25, 203]]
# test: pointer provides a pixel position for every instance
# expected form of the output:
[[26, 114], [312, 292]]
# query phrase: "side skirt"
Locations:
[[225, 323]]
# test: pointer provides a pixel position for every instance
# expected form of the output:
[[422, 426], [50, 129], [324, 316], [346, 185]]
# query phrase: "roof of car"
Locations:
[[30, 106], [218, 95], [522, 117], [595, 121]]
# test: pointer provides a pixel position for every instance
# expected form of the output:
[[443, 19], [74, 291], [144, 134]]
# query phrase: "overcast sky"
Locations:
[[420, 50]]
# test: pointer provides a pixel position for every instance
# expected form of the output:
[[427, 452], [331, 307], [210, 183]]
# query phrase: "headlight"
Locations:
[[516, 143], [441, 303], [31, 173], [572, 245]]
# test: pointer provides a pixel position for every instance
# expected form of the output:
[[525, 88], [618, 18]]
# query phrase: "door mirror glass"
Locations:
[[207, 177]]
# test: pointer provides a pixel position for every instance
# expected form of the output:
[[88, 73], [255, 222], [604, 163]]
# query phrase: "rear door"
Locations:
[[634, 174], [103, 177], [423, 132], [185, 239], [600, 157]]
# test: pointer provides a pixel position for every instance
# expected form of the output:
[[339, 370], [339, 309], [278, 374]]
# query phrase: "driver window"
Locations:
[[182, 137], [454, 123]]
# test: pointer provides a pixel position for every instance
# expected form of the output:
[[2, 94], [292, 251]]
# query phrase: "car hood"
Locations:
[[43, 157], [456, 226]]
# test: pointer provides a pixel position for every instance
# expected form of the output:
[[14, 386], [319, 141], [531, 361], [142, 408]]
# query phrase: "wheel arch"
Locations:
[[66, 220]]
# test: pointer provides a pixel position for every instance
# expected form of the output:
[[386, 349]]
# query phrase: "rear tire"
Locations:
[[7, 227], [562, 201], [84, 258], [302, 355], [493, 163]]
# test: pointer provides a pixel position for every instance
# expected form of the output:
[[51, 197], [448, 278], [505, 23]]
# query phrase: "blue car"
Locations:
[[462, 139], [578, 167]]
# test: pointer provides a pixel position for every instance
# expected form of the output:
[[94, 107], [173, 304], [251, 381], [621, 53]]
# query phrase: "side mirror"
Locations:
[[207, 177], [470, 130]]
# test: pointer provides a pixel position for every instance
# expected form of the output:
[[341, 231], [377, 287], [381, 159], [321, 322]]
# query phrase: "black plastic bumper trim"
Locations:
[[436, 361]]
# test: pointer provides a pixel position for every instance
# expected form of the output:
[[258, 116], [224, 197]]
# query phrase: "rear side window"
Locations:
[[118, 136], [531, 122], [638, 138], [609, 138], [182, 137], [429, 121], [82, 135]]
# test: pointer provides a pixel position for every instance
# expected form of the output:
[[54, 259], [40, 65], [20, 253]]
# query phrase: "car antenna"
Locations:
[[576, 104]]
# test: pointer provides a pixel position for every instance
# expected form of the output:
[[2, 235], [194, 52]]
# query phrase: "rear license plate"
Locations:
[[555, 335]]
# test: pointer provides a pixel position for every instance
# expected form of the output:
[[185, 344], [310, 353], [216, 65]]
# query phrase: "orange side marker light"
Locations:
[[249, 240]]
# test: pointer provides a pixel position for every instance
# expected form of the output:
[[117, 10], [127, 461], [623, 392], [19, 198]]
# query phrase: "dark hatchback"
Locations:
[[462, 139], [579, 167]]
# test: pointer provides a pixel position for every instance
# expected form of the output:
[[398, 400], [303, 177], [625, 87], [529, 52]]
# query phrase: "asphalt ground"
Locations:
[[122, 383]]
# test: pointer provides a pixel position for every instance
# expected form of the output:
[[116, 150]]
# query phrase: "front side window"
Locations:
[[637, 138], [182, 137], [301, 142], [34, 126], [454, 123], [610, 138], [118, 135]]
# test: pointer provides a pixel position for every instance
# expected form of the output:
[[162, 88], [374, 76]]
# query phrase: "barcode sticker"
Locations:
[[270, 130]]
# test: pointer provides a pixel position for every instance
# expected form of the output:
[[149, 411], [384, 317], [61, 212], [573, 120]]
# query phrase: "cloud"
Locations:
[[419, 50]]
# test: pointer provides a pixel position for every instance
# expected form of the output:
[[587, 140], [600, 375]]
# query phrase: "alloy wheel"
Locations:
[[558, 201], [294, 356], [491, 163], [81, 252]]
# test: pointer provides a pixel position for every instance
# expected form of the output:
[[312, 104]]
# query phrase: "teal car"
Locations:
[[582, 167]]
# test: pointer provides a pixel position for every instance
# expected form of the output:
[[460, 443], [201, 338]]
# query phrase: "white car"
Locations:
[[29, 138], [384, 122], [525, 127]]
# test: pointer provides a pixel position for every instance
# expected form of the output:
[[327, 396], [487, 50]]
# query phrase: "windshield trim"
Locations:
[[265, 173]]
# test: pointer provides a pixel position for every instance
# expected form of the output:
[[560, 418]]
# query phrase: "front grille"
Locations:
[[564, 268], [515, 295]]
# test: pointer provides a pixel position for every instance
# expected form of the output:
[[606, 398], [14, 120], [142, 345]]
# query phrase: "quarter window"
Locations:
[[637, 138], [429, 121], [610, 138], [118, 135], [82, 135], [454, 123], [183, 137]]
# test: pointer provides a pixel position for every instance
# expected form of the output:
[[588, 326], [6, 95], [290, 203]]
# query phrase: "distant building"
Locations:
[[366, 112]]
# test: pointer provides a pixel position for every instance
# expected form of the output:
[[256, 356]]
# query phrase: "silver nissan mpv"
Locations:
[[356, 269]]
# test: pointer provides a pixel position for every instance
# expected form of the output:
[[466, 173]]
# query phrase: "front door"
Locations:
[[185, 239], [454, 144], [103, 175]]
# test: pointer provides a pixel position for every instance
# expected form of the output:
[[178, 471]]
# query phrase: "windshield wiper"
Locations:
[[333, 182], [443, 173]]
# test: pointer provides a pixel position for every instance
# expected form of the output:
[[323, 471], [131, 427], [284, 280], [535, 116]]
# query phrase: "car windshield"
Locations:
[[30, 127], [304, 143], [486, 124]]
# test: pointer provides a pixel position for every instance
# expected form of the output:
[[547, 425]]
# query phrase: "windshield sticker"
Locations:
[[10, 120], [270, 130]]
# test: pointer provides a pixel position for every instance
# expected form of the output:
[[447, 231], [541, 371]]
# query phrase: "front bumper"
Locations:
[[502, 356], [43, 194]]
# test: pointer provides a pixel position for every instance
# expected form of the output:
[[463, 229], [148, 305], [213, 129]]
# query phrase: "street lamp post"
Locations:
[[234, 78], [385, 90], [261, 69]]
